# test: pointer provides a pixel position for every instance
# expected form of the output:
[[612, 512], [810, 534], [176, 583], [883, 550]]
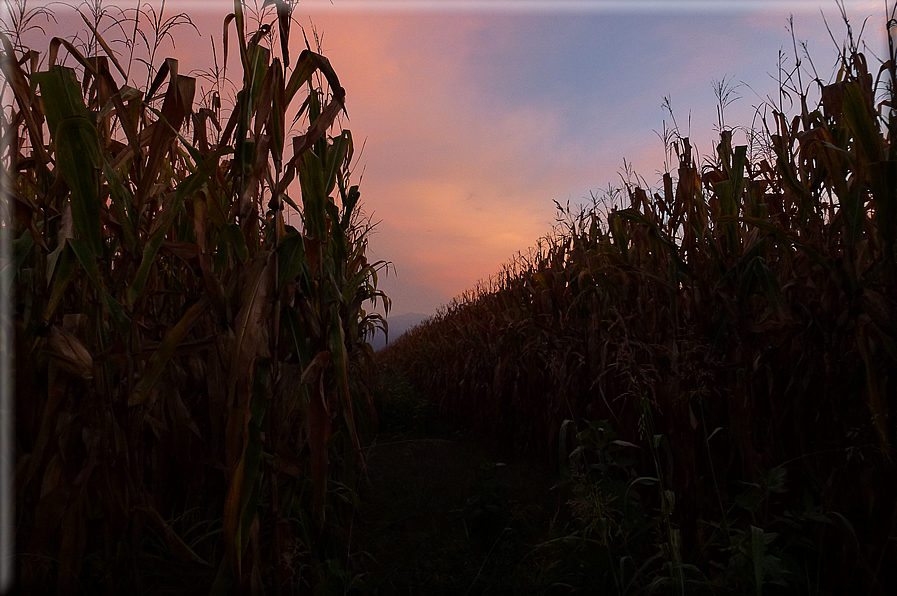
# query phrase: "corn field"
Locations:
[[190, 369], [732, 336]]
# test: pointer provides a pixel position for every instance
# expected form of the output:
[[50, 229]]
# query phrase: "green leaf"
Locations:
[[122, 202], [88, 262], [221, 252], [341, 371], [160, 228], [278, 111], [336, 155], [294, 326], [757, 549], [337, 237], [311, 179], [782, 237], [21, 249], [255, 282], [621, 242], [253, 455], [260, 57], [349, 202], [63, 273], [234, 235], [157, 362], [113, 307], [729, 192], [78, 157], [862, 122], [77, 148], [117, 312], [60, 95], [244, 156], [290, 258], [634, 216], [176, 544]]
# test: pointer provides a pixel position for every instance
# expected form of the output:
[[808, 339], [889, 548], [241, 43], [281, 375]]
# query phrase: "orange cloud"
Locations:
[[466, 142]]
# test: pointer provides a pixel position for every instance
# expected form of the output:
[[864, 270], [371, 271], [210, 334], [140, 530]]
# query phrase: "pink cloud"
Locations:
[[462, 173]]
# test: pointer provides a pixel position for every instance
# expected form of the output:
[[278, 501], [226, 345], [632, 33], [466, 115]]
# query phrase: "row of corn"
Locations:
[[189, 368], [737, 328]]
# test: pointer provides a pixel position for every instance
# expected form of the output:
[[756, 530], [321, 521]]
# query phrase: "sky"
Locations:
[[475, 116]]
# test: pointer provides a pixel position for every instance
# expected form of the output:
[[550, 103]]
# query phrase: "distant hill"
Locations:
[[397, 326]]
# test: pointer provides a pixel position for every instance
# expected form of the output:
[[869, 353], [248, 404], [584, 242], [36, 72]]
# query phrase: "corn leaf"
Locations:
[[63, 274], [158, 361]]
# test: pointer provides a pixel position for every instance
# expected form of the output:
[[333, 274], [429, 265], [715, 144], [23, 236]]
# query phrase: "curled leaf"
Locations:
[[68, 352]]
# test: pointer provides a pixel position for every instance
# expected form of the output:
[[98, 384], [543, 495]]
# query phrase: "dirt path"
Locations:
[[441, 514]]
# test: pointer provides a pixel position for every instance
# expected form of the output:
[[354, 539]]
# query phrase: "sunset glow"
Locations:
[[475, 117]]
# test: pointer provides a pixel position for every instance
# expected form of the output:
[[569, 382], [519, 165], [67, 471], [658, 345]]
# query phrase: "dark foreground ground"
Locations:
[[442, 513]]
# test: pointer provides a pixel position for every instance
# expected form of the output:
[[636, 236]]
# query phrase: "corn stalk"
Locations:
[[184, 356]]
